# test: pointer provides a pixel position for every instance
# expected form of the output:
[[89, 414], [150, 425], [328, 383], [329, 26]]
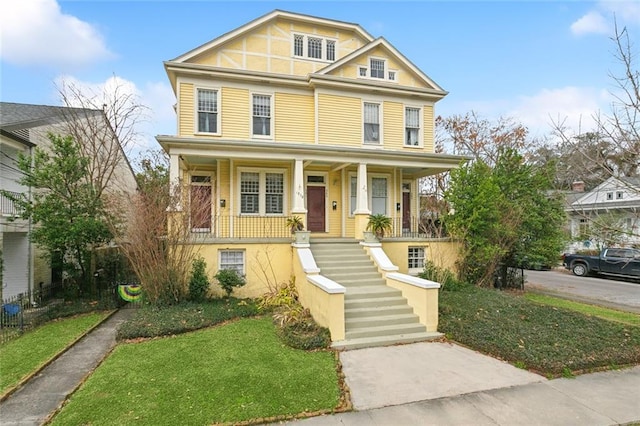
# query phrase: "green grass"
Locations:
[[550, 340], [25, 354], [596, 311], [235, 372]]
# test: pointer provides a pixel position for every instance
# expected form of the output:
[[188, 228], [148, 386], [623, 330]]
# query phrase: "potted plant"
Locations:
[[379, 224], [294, 223]]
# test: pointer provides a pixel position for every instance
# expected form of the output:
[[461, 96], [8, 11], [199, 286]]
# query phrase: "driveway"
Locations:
[[623, 295]]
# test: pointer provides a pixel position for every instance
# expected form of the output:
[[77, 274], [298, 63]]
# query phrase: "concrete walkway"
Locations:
[[43, 394]]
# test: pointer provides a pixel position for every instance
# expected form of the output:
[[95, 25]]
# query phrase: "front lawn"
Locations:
[[550, 340], [25, 354], [235, 372]]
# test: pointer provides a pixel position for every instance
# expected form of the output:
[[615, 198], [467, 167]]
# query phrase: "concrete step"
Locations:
[[349, 275], [369, 342], [385, 330], [348, 263], [375, 302], [371, 292], [363, 282], [379, 311], [380, 320]]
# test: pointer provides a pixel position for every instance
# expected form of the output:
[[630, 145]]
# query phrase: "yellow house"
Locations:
[[294, 115]]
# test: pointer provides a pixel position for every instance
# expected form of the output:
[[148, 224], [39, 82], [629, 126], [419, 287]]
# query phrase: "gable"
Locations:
[[610, 191], [267, 45]]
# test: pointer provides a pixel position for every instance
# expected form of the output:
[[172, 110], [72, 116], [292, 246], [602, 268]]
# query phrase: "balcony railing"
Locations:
[[416, 228], [244, 227], [7, 206]]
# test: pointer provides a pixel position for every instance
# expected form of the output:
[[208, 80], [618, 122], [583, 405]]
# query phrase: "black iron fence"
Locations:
[[242, 227], [417, 228]]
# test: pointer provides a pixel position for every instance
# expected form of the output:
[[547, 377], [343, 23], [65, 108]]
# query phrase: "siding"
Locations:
[[235, 113], [393, 127], [186, 125], [339, 120], [294, 115], [428, 128]]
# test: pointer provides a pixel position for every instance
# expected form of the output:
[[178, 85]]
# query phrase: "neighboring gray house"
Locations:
[[22, 128], [608, 215]]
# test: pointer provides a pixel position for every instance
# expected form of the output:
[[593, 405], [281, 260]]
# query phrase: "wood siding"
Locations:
[[186, 109], [339, 120], [236, 113], [393, 127], [294, 118]]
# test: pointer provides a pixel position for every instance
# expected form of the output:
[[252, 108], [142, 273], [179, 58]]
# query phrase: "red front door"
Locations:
[[315, 209], [406, 211], [200, 208]]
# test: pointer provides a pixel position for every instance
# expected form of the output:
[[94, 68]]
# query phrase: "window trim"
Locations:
[[380, 123], [420, 126], [196, 121], [271, 96], [385, 71], [262, 208], [244, 259]]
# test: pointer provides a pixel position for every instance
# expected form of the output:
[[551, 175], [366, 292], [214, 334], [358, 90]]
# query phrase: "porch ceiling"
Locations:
[[205, 152]]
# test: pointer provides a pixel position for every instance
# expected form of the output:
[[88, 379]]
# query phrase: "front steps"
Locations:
[[375, 314]]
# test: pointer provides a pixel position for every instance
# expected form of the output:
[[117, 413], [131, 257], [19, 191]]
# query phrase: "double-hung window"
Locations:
[[416, 259], [354, 194], [298, 45], [231, 259], [377, 68], [207, 111], [371, 118], [412, 126], [261, 123], [379, 195], [331, 50], [261, 192], [314, 48]]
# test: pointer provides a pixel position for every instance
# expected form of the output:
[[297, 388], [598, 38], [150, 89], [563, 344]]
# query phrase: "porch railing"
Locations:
[[244, 227], [7, 205], [417, 228]]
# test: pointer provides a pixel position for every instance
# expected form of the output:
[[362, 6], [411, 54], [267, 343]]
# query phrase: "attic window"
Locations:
[[609, 195], [362, 71], [377, 69], [392, 75], [314, 47], [619, 195]]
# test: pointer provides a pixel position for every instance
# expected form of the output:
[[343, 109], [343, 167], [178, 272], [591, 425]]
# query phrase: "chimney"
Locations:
[[577, 186]]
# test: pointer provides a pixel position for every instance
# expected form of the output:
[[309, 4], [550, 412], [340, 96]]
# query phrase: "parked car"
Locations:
[[610, 261]]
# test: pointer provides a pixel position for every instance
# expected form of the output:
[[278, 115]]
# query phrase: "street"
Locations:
[[623, 295]]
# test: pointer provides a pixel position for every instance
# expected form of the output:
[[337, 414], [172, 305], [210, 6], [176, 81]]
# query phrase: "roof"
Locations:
[[15, 116]]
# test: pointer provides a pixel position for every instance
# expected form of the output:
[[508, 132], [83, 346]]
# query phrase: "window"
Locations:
[[609, 195], [362, 71], [392, 75], [331, 50], [412, 126], [314, 49], [207, 111], [416, 258], [261, 192], [274, 193], [249, 193], [261, 115], [619, 195], [377, 68], [232, 259], [354, 194], [584, 228], [379, 195], [371, 123], [298, 45]]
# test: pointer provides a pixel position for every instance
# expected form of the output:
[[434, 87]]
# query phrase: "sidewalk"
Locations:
[[42, 395]]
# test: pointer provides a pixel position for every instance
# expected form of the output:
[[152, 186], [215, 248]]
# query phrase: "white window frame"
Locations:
[[380, 121], [242, 252], [305, 47], [364, 71], [262, 190], [384, 67], [609, 196], [420, 126], [218, 92], [619, 195], [411, 268], [270, 136]]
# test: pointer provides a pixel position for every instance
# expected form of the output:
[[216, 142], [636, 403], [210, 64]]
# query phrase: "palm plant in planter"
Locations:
[[294, 223], [379, 224]]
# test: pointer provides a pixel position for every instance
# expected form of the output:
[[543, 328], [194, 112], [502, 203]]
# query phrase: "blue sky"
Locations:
[[534, 61]]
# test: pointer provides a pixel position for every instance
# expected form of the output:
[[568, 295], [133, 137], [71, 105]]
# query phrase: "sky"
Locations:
[[538, 62]]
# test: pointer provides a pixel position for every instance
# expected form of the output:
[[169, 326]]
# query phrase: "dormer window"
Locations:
[[377, 68], [314, 47]]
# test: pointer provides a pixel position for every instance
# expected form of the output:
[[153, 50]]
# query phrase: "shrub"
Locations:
[[445, 277], [304, 333], [229, 279], [198, 283], [284, 295]]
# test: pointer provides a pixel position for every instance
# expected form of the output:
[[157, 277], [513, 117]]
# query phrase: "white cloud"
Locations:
[[36, 32], [592, 22], [574, 107], [159, 118]]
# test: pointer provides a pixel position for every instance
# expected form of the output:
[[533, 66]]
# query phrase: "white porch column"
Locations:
[[174, 179], [298, 188], [362, 198]]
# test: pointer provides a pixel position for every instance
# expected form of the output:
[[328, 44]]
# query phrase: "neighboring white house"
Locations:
[[608, 215], [22, 128]]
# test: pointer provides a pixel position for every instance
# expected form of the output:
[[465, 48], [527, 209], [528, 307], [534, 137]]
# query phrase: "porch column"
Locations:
[[174, 180], [362, 211], [298, 188]]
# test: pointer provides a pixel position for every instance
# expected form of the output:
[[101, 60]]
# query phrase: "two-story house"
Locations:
[[294, 115], [23, 127], [607, 215]]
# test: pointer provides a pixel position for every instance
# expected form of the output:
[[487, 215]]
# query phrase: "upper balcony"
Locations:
[[8, 207]]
